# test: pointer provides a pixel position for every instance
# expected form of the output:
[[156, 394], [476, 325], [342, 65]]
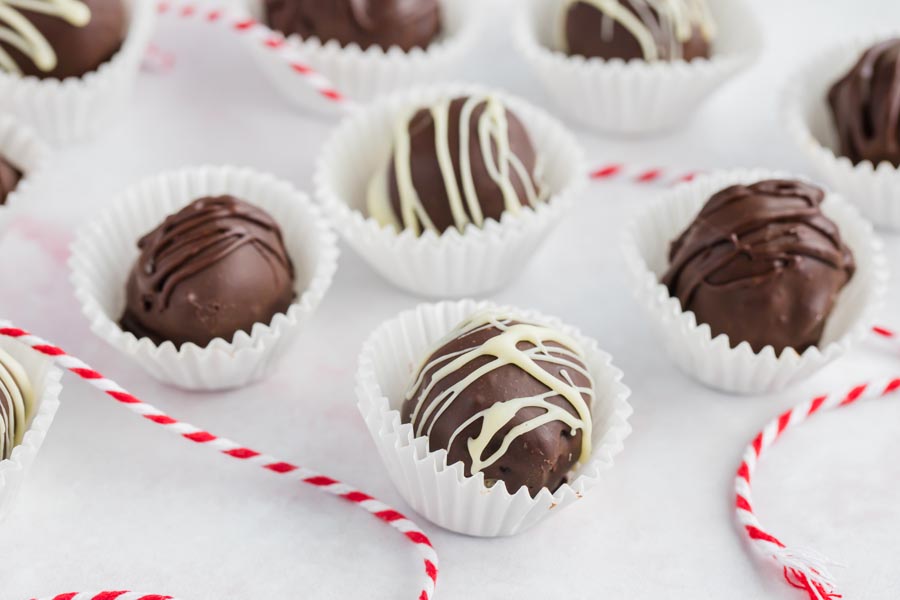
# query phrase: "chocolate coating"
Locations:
[[468, 187], [762, 264], [594, 32], [406, 24], [493, 379], [865, 106], [216, 267], [78, 49], [9, 179]]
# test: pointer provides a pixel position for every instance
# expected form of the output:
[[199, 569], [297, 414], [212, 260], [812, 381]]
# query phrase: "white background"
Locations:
[[114, 502]]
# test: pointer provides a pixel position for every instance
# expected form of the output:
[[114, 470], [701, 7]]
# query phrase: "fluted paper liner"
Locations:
[[443, 493], [105, 251], [712, 360], [454, 264], [363, 75], [633, 97], [20, 146], [45, 379], [875, 189]]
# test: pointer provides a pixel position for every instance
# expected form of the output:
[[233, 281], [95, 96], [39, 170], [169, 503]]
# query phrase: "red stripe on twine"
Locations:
[[320, 481], [744, 472], [281, 467], [389, 516], [188, 11], [332, 94], [123, 397], [301, 68], [13, 332], [816, 405], [68, 596], [816, 590], [274, 42], [891, 387], [757, 443], [607, 171], [883, 332], [649, 176], [245, 25], [161, 419], [431, 570], [356, 497], [109, 595], [758, 534], [417, 537], [242, 453], [741, 503], [783, 421], [49, 350], [423, 595], [854, 395], [87, 373], [201, 437], [213, 15]]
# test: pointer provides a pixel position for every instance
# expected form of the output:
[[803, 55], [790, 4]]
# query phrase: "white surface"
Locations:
[[115, 502]]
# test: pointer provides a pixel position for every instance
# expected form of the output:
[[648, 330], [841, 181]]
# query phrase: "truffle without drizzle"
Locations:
[[865, 106], [648, 30], [216, 267], [456, 163], [761, 264], [16, 404], [507, 398]]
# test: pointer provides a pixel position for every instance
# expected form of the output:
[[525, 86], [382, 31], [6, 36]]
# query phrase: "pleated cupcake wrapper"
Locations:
[[874, 189], [78, 108], [105, 251], [453, 264], [712, 360], [20, 146], [362, 75], [443, 493], [634, 97], [46, 382]]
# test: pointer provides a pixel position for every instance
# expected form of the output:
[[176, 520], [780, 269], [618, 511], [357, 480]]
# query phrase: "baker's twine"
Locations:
[[428, 562], [804, 569]]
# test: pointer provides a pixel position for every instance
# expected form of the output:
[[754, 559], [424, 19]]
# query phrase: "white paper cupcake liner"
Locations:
[[712, 360], [21, 147], [453, 264], [874, 189], [45, 379], [80, 107], [105, 251], [634, 97], [362, 75], [443, 493]]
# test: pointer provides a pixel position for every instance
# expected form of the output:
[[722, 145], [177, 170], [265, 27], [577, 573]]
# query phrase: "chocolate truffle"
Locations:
[[9, 179], [762, 264], [865, 106], [56, 39], [507, 398], [456, 163], [216, 267], [649, 30], [16, 404], [406, 24]]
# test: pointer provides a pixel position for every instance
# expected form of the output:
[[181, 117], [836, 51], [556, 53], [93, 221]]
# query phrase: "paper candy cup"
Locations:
[[712, 360], [105, 251], [443, 493], [21, 147]]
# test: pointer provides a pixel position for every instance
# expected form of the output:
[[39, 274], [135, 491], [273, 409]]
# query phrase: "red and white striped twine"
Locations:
[[803, 569], [429, 561], [620, 172]]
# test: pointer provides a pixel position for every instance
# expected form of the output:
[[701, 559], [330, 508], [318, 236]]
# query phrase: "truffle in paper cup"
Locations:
[[362, 75], [20, 147], [875, 189], [712, 360], [105, 251], [453, 264], [443, 493], [45, 382], [80, 107], [634, 97]]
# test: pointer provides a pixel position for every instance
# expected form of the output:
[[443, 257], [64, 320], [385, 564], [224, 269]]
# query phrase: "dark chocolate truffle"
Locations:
[[16, 404], [865, 106], [455, 163], [507, 398], [65, 38], [649, 30], [406, 24], [216, 267], [9, 179], [762, 264]]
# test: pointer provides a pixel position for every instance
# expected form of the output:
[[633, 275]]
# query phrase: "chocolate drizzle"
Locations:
[[9, 179], [195, 269], [865, 106], [761, 263]]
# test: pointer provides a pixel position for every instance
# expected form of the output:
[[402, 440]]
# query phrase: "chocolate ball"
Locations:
[[9, 179], [17, 404], [865, 106], [639, 29], [406, 24], [762, 264], [64, 39], [507, 398], [440, 175], [216, 267]]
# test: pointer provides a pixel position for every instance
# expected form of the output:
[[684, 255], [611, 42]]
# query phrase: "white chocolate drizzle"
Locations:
[[504, 349], [654, 20], [500, 161], [16, 404], [17, 31]]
